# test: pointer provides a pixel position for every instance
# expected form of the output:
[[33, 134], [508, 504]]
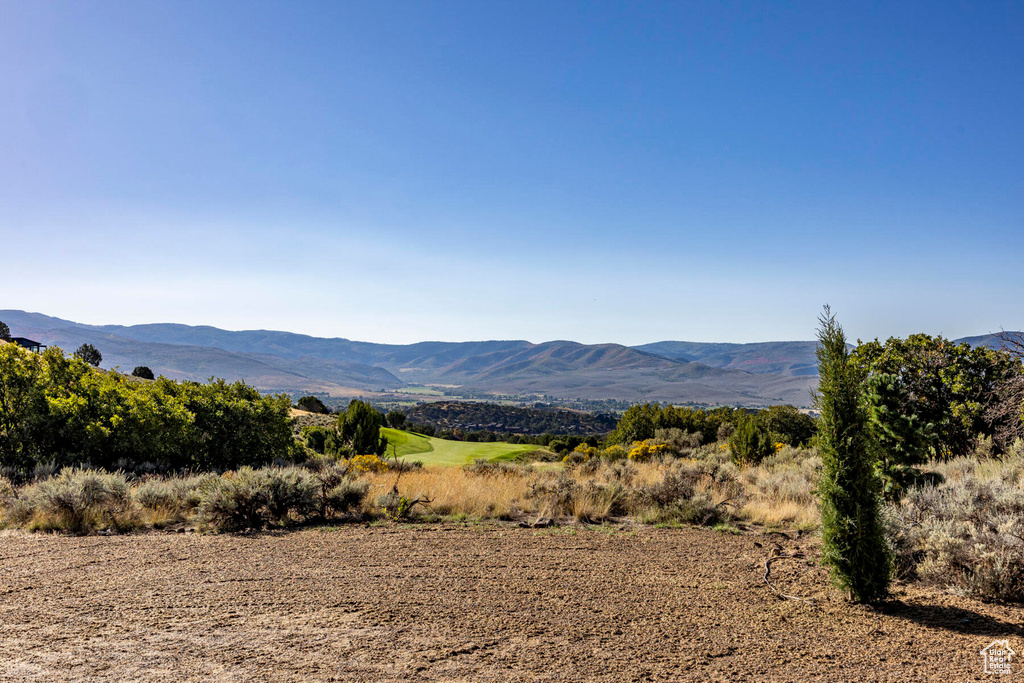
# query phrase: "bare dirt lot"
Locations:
[[476, 603]]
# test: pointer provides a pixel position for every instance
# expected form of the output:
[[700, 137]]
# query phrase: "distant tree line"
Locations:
[[471, 416]]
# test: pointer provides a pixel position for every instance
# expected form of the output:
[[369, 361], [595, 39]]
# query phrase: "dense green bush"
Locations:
[[898, 439], [787, 424], [945, 385], [60, 410], [645, 421], [321, 439], [90, 354], [642, 421]]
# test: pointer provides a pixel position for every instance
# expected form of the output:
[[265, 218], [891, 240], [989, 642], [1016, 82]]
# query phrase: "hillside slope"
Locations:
[[282, 361], [790, 359]]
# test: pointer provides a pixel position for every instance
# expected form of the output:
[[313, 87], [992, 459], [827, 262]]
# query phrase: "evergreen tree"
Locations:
[[90, 354], [359, 427], [750, 443], [899, 440], [143, 371], [853, 538], [5, 332]]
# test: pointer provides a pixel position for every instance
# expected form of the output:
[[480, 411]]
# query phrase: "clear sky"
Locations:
[[604, 172]]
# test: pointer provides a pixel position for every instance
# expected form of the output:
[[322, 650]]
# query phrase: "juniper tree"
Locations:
[[359, 427], [90, 354], [899, 440], [143, 371], [853, 538]]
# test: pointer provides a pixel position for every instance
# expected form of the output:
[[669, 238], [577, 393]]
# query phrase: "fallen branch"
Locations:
[[714, 510], [768, 572]]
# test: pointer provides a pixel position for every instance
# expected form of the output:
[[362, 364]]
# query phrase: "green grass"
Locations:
[[431, 451]]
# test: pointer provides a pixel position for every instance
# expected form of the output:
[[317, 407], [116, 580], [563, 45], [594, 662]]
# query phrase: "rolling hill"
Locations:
[[274, 361], [790, 359]]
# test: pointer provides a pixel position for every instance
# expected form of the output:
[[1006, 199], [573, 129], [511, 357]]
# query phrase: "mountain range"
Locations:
[[273, 361]]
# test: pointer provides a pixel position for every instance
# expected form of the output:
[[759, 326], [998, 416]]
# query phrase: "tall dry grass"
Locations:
[[453, 491], [703, 488]]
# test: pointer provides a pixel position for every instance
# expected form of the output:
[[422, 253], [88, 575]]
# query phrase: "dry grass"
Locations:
[[455, 492], [699, 489]]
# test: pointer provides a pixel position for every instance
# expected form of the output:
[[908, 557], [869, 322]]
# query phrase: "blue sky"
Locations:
[[604, 172]]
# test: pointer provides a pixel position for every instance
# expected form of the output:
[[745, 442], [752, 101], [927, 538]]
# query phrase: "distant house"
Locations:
[[28, 344]]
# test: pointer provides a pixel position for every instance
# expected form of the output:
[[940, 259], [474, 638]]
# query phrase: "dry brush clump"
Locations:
[[75, 500], [83, 500], [168, 500], [967, 533]]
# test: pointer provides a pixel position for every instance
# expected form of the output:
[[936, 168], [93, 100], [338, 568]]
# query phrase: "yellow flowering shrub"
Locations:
[[642, 451], [368, 463]]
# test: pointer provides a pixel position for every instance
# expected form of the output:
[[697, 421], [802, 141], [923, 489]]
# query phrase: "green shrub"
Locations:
[[614, 453], [143, 372], [323, 440], [751, 443], [62, 410], [90, 354], [359, 428], [787, 424]]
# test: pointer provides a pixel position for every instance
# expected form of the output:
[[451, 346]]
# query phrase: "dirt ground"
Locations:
[[466, 604]]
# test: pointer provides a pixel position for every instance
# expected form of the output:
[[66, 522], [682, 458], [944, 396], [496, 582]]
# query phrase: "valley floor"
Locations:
[[466, 604]]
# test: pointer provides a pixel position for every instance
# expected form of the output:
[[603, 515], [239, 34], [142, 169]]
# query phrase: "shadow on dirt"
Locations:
[[951, 619]]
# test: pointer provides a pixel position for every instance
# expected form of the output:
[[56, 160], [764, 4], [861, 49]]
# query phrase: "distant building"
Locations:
[[28, 344]]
